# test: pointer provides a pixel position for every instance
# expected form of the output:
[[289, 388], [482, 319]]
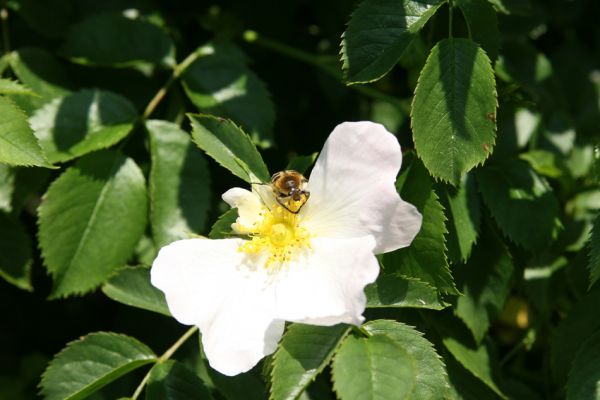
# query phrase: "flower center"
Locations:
[[278, 236], [281, 234]]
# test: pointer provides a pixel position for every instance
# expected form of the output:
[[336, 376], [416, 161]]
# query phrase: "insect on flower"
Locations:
[[289, 187], [304, 253]]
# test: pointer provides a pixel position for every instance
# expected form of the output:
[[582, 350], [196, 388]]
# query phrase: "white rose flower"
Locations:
[[310, 267]]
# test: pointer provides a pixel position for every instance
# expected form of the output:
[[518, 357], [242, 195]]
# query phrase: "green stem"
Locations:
[[324, 63], [4, 20], [166, 355], [177, 72]]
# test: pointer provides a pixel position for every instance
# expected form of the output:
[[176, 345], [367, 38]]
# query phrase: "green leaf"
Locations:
[[521, 202], [400, 291], [454, 109], [302, 163], [179, 184], [83, 122], [581, 323], [15, 253], [18, 145], [220, 83], [485, 284], [594, 263], [431, 380], [90, 221], [229, 146], [378, 34], [425, 259], [8, 86], [465, 386], [222, 228], [172, 380], [476, 359], [584, 378], [88, 364], [362, 366], [132, 286], [302, 354], [42, 72], [482, 23], [464, 217], [100, 40]]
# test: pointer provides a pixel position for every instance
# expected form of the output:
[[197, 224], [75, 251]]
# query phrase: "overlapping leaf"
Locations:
[[302, 354], [83, 122], [361, 369], [464, 217], [378, 34], [18, 145], [229, 146], [91, 219], [477, 359], [521, 202], [42, 72], [485, 282], [425, 259], [88, 364], [179, 184], [220, 83], [454, 109], [431, 380]]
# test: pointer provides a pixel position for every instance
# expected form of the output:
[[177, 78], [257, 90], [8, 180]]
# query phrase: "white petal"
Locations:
[[352, 188], [249, 208], [327, 286], [207, 284]]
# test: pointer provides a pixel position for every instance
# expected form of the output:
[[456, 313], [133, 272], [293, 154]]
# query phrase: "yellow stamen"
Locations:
[[278, 235]]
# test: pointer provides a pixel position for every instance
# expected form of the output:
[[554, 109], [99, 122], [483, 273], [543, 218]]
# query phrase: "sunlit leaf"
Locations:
[[228, 145], [221, 229], [18, 145], [83, 122], [454, 109], [89, 363], [220, 83], [91, 219]]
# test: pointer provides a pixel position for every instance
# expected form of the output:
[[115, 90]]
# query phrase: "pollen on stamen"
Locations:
[[278, 236]]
